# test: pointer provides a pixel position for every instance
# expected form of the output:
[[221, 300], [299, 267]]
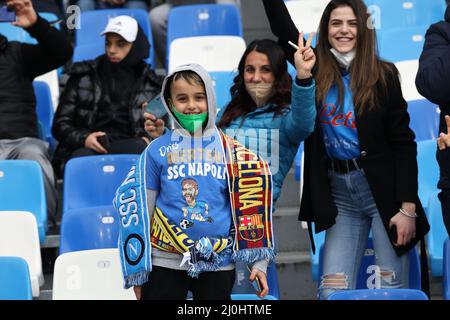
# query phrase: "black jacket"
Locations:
[[76, 113], [433, 77], [20, 63], [388, 150]]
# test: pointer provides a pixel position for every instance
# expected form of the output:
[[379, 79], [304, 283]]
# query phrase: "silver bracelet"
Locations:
[[404, 212]]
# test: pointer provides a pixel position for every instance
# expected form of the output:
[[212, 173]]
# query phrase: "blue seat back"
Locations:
[[92, 24], [446, 273], [87, 52], [222, 82], [203, 20], [436, 236], [405, 13], [424, 117], [22, 189], [92, 181], [379, 294], [44, 110], [365, 272], [15, 283], [319, 240], [298, 161], [244, 296], [401, 43], [89, 228], [428, 174]]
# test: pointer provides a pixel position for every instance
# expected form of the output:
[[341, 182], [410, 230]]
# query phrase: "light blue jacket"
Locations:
[[276, 137]]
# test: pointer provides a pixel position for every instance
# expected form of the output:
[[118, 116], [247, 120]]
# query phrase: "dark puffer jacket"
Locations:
[[79, 104]]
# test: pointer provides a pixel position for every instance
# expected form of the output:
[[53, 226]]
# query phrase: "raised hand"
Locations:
[[154, 127], [25, 13], [304, 57], [444, 139]]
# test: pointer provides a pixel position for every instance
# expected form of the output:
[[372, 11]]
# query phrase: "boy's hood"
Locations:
[[210, 95]]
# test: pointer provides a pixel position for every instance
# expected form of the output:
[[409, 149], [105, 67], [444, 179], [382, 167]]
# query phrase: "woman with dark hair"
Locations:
[[360, 163], [269, 113]]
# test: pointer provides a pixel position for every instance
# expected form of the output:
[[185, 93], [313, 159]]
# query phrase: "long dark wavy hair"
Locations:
[[241, 102]]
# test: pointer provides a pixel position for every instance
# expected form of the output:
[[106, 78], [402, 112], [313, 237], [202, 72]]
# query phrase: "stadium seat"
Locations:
[[298, 161], [428, 170], [92, 181], [203, 20], [306, 14], [424, 119], [379, 294], [388, 14], [15, 283], [90, 275], [436, 237], [222, 82], [19, 238], [243, 286], [242, 296], [365, 274], [214, 53], [401, 43], [408, 71], [45, 111], [446, 273], [92, 23], [22, 189], [87, 52], [89, 228]]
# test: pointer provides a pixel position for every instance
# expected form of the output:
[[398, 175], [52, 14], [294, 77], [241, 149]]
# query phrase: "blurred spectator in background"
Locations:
[[20, 63], [432, 82]]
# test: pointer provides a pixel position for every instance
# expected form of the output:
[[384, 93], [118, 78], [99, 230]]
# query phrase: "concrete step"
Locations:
[[290, 192], [288, 232]]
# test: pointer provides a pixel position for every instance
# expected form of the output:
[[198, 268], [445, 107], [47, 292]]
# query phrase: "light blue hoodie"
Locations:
[[276, 137]]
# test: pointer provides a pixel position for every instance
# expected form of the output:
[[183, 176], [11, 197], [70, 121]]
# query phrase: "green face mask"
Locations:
[[191, 122]]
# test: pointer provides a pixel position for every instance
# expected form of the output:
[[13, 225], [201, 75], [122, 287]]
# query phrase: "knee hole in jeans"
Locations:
[[338, 281]]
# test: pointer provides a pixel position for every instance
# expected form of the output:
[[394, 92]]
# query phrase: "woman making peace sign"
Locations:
[[360, 163]]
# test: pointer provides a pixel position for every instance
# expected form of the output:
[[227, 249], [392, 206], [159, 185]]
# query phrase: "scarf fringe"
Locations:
[[203, 266], [136, 279], [250, 256]]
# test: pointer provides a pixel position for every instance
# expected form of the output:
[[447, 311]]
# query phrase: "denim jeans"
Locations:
[[345, 241]]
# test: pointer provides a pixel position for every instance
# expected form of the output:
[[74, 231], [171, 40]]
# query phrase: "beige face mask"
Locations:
[[260, 92]]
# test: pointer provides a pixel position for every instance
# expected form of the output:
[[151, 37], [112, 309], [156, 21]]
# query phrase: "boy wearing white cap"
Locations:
[[100, 110]]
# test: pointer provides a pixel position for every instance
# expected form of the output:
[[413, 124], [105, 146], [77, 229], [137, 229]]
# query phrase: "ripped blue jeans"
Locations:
[[345, 241]]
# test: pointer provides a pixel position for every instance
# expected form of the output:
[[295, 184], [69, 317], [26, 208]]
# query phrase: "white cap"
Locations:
[[125, 26]]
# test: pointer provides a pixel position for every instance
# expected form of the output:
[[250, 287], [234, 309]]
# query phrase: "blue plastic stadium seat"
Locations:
[[428, 170], [222, 82], [45, 111], [243, 286], [87, 52], [22, 189], [435, 238], [92, 181], [446, 273], [319, 240], [400, 44], [242, 296], [379, 294], [203, 20], [369, 260], [405, 13], [424, 116], [15, 283], [92, 23], [89, 228], [298, 162]]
